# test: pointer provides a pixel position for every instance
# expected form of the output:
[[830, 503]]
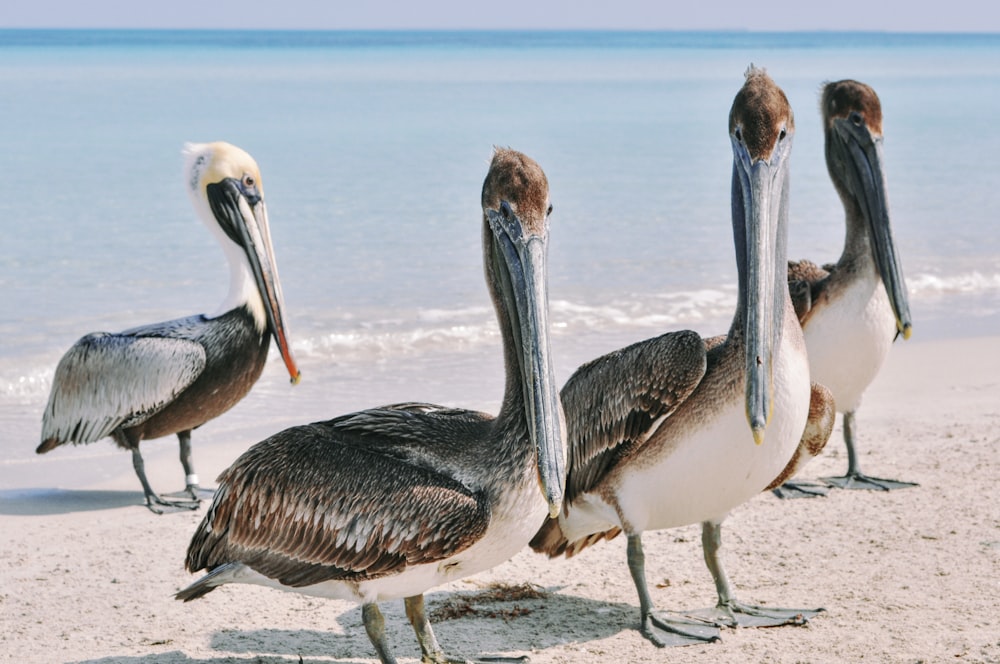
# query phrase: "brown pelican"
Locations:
[[388, 502], [852, 311], [172, 377], [657, 431]]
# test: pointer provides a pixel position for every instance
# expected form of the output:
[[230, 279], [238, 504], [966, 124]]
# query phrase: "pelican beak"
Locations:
[[242, 214], [519, 261], [760, 196], [861, 154]]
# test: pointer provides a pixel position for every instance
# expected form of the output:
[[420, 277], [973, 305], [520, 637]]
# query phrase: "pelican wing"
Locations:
[[327, 502], [414, 421], [615, 403], [110, 380], [806, 283]]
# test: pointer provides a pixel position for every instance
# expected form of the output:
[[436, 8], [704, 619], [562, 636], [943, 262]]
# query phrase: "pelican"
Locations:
[[852, 311], [172, 377], [385, 503], [657, 431]]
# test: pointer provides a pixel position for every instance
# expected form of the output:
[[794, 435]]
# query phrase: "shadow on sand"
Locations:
[[554, 620], [39, 502], [177, 657]]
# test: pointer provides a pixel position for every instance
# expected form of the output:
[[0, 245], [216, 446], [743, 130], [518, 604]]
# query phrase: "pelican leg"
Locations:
[[661, 629], [191, 489], [375, 627], [431, 652], [152, 500], [731, 612], [855, 479]]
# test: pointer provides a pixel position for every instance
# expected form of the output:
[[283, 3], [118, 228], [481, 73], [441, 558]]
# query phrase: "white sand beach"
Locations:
[[87, 574]]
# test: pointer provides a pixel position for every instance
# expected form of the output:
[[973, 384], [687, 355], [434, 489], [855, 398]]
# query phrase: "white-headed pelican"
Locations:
[[172, 377]]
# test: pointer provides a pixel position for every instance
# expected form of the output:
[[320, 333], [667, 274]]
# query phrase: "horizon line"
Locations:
[[646, 31]]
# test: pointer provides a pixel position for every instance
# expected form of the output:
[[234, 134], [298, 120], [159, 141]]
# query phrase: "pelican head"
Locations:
[[852, 119], [516, 212], [226, 189], [761, 126]]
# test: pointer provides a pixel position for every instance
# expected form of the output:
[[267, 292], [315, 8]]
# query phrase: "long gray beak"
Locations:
[[862, 157], [521, 263], [242, 214], [760, 202]]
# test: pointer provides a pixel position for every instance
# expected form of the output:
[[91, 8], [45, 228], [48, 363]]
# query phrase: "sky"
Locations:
[[760, 15]]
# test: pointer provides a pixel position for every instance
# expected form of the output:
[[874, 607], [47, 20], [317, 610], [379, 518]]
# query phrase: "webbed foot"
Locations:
[[441, 658], [737, 614], [800, 489], [158, 505], [864, 482], [193, 492], [668, 631]]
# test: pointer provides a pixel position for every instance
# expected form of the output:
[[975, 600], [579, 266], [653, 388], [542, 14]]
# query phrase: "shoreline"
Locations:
[[87, 573]]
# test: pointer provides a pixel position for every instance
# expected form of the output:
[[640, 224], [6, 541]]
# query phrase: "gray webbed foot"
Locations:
[[854, 478], [485, 659], [737, 614], [440, 658], [801, 489], [863, 482], [666, 631], [158, 505], [193, 492]]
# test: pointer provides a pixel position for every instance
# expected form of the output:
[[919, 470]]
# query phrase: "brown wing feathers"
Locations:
[[612, 407], [355, 513], [625, 392]]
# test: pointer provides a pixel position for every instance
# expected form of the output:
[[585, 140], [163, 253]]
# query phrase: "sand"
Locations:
[[87, 575]]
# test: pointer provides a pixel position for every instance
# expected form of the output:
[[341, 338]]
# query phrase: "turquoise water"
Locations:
[[373, 147]]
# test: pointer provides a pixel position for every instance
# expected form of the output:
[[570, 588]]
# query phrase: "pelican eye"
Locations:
[[856, 118], [738, 133], [549, 210], [249, 182], [782, 134]]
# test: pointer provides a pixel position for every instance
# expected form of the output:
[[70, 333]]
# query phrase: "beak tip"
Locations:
[[907, 330], [553, 496], [296, 378], [554, 508], [758, 424]]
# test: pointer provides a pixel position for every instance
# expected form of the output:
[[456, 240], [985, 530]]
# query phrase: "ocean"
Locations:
[[373, 147]]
